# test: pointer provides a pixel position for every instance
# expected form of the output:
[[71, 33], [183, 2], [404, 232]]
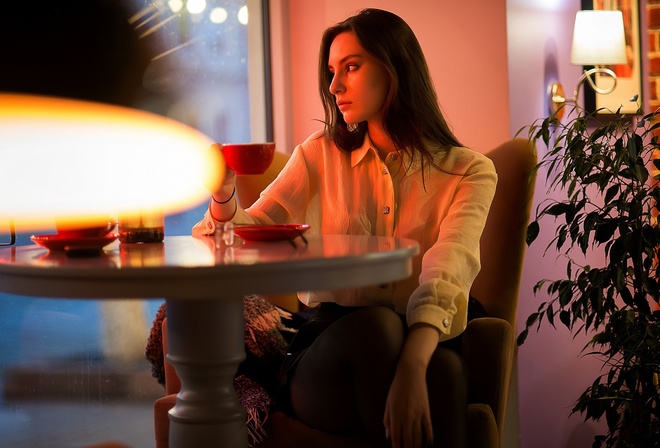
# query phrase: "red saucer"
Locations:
[[56, 243], [275, 232]]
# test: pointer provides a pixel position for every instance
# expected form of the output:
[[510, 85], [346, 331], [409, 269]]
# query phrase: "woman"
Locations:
[[380, 361]]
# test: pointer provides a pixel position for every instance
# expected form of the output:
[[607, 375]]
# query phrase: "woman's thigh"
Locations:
[[344, 376]]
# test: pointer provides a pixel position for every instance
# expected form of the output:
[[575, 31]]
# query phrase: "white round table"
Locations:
[[203, 287]]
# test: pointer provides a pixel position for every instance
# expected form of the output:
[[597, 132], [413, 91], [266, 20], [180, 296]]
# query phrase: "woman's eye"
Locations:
[[351, 67]]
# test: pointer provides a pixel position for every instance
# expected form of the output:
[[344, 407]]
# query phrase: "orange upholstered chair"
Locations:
[[488, 343]]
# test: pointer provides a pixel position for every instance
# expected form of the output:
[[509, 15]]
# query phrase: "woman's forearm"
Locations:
[[419, 347]]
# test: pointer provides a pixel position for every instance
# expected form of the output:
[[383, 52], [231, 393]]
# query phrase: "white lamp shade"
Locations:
[[70, 159], [598, 38]]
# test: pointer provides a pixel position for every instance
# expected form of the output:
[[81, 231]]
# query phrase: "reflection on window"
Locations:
[[198, 73], [73, 371]]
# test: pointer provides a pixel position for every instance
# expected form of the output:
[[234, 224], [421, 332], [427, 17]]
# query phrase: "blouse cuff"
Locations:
[[439, 318]]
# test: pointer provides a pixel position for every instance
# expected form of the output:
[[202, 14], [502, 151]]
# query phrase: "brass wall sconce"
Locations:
[[598, 41]]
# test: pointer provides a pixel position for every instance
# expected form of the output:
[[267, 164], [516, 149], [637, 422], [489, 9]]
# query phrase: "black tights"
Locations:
[[341, 382]]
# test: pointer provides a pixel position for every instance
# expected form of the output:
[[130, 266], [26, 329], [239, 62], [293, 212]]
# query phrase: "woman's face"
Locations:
[[360, 82]]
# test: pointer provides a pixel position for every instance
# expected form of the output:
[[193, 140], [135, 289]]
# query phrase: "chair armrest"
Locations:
[[482, 431], [489, 349], [162, 408], [172, 381]]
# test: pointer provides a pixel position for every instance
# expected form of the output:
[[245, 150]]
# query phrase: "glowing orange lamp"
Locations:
[[76, 160]]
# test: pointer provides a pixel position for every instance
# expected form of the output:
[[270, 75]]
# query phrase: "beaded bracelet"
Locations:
[[224, 202]]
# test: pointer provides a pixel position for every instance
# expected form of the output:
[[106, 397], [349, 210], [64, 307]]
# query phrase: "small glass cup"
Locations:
[[145, 227], [224, 235], [12, 236]]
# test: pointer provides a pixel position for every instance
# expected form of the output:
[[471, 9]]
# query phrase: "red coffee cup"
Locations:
[[70, 229], [249, 158]]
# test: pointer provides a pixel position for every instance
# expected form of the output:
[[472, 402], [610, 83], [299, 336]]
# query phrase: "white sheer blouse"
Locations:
[[357, 193]]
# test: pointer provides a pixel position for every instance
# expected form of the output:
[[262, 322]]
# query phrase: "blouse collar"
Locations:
[[358, 154]]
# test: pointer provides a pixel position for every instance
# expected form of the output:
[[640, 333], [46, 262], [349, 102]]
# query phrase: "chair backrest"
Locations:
[[503, 240]]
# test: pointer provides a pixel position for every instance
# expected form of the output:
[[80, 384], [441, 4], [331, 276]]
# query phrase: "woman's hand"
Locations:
[[407, 412]]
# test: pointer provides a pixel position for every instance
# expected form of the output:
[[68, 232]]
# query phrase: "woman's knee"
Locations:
[[375, 328], [363, 339], [447, 374]]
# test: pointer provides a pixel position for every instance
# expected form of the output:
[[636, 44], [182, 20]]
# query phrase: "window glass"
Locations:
[[73, 372]]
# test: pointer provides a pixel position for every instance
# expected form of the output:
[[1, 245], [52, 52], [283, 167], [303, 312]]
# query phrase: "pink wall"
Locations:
[[468, 61]]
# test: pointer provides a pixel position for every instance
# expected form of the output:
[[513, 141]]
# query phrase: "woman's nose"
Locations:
[[336, 85]]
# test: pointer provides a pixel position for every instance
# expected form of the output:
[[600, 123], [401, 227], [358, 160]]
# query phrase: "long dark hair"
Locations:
[[412, 114]]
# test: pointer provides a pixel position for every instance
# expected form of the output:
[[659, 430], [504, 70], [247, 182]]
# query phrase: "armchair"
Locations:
[[488, 343]]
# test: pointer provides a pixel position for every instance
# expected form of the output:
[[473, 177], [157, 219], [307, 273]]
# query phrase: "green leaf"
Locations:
[[550, 315], [616, 252], [605, 231], [611, 193], [635, 210], [633, 146], [626, 173], [561, 237], [531, 319], [565, 292], [545, 131], [559, 208], [626, 296], [599, 132], [590, 221], [532, 232]]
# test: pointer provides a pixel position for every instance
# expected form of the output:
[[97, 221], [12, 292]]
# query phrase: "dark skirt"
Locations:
[[324, 316]]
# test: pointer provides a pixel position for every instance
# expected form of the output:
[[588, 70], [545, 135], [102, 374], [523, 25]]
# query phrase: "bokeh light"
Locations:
[[218, 15], [243, 15]]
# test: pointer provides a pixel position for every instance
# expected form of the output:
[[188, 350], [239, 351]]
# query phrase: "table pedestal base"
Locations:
[[205, 346]]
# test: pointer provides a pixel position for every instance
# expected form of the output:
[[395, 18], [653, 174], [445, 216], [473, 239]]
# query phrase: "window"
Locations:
[[202, 62]]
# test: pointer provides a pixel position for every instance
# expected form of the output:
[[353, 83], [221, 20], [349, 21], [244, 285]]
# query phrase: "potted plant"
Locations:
[[605, 168]]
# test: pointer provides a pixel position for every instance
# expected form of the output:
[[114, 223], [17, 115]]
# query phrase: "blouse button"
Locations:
[[394, 157], [445, 323], [384, 170], [386, 210]]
